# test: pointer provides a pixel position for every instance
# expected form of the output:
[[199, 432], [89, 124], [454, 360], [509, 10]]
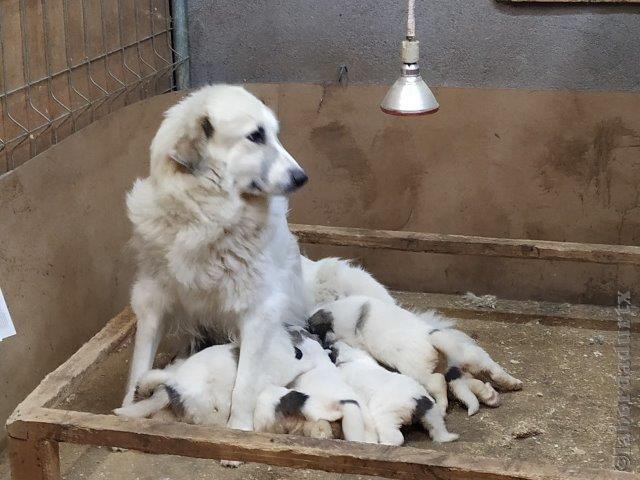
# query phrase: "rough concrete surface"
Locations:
[[471, 43]]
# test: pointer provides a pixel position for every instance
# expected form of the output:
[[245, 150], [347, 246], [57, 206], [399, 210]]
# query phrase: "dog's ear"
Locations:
[[189, 150]]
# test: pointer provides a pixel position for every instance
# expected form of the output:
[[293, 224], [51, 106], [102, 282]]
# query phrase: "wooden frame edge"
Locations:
[[284, 450], [66, 376], [467, 245]]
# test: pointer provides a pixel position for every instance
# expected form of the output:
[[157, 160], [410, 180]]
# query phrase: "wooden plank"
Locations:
[[34, 460], [522, 311], [467, 245], [62, 381], [284, 450]]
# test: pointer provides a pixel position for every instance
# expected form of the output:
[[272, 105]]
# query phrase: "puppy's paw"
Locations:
[[516, 384], [489, 396], [230, 463], [122, 412]]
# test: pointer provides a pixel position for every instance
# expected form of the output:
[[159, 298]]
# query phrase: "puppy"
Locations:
[[214, 251], [331, 278], [198, 389], [393, 399], [409, 343], [195, 390], [314, 399]]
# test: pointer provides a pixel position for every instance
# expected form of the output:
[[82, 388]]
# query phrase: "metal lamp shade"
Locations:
[[409, 95]]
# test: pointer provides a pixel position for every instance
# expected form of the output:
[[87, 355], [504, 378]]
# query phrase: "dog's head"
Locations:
[[224, 137]]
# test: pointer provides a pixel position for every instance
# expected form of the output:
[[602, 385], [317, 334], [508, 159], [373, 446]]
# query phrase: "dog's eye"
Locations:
[[257, 136]]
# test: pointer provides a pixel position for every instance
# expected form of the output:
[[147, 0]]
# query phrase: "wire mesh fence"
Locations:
[[66, 63]]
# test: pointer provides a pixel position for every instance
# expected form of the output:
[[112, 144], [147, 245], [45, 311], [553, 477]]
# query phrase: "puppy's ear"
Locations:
[[189, 150]]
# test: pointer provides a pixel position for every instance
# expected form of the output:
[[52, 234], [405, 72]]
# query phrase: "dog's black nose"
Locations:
[[298, 177]]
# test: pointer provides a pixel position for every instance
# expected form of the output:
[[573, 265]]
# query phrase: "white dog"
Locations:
[[393, 399], [210, 231], [409, 343]]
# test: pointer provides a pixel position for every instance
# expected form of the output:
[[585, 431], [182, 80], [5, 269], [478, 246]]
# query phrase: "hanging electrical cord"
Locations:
[[410, 95], [411, 20]]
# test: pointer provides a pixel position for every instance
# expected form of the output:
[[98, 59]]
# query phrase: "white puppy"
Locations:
[[313, 399], [210, 232], [409, 343], [332, 278], [393, 399], [196, 390]]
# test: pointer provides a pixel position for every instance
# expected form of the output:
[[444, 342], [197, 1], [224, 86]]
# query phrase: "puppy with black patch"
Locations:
[[195, 390], [198, 389], [393, 399], [313, 400], [410, 343]]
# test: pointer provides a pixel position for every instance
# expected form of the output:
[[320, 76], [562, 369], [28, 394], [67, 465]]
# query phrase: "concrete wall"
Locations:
[[64, 269], [471, 43]]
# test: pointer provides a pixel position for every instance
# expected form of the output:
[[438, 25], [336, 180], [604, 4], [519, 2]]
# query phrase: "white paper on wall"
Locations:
[[6, 325]]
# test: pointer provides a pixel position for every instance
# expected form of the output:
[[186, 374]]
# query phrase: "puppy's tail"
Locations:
[[147, 407], [150, 381]]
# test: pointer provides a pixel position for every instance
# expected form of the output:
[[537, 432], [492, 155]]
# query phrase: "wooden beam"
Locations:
[[467, 245], [286, 450], [34, 459], [62, 381]]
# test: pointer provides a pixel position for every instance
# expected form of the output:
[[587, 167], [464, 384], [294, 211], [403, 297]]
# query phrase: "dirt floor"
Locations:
[[566, 414]]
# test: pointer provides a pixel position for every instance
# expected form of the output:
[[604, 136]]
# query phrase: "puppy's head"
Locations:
[[223, 137]]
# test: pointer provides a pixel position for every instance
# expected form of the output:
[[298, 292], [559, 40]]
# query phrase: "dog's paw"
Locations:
[[230, 463]]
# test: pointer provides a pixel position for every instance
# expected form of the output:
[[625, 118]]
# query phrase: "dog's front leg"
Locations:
[[147, 302], [251, 379]]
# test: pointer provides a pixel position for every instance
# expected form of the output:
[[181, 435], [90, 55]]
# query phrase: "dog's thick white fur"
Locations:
[[196, 390], [393, 399], [210, 231], [314, 399], [410, 343]]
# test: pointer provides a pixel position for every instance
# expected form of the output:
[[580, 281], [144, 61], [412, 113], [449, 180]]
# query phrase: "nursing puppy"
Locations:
[[393, 399], [410, 343], [195, 390], [314, 399], [198, 389], [210, 232]]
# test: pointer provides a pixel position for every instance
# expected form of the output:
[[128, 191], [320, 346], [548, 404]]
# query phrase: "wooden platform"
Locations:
[[561, 426]]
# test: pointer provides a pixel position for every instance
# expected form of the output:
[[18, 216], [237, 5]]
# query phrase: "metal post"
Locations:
[[181, 42]]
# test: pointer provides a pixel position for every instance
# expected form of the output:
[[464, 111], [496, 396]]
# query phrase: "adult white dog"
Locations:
[[213, 247]]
